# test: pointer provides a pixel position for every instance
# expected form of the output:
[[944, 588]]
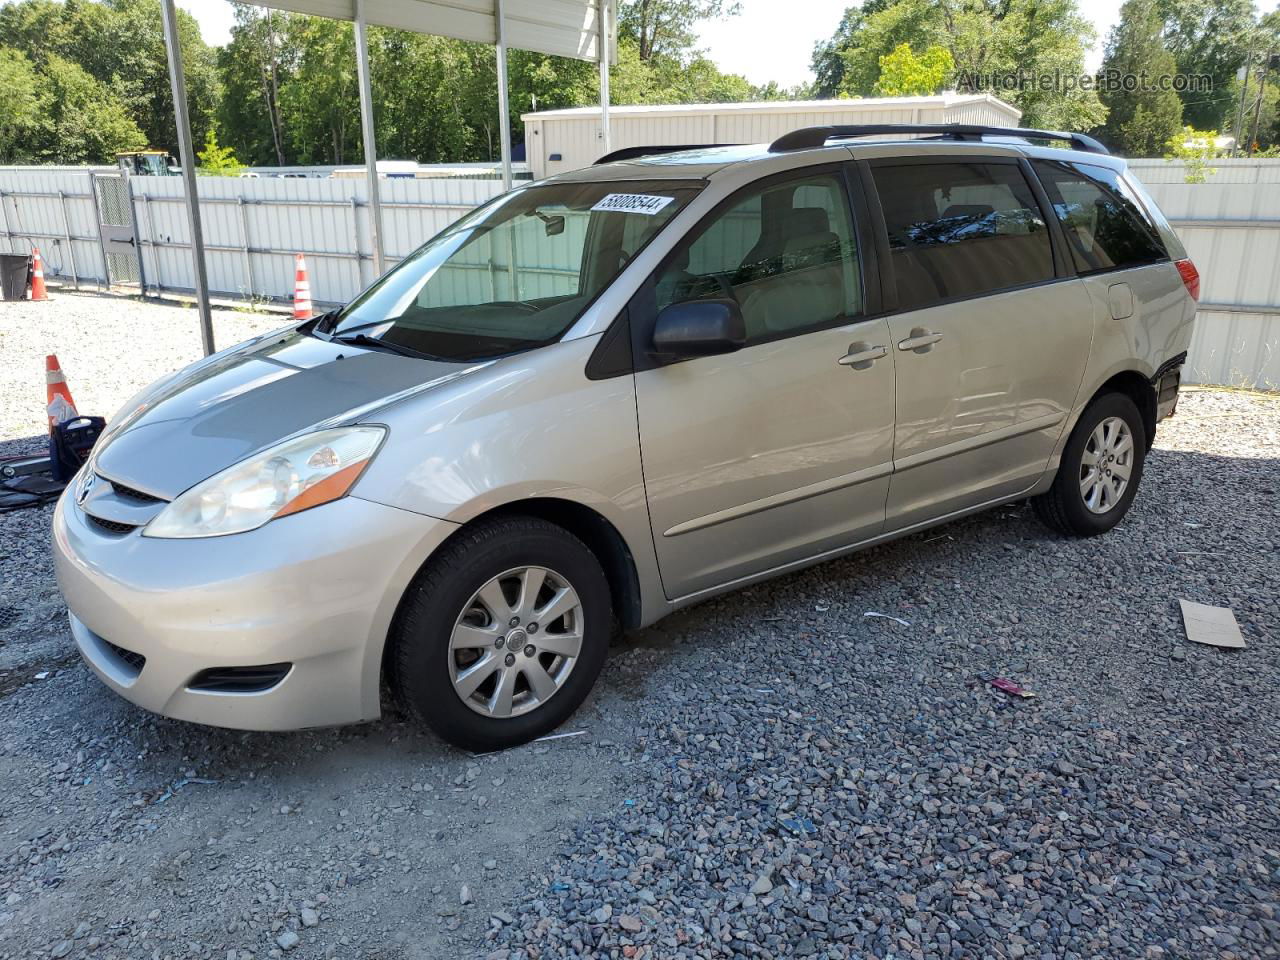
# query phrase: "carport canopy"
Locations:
[[581, 29]]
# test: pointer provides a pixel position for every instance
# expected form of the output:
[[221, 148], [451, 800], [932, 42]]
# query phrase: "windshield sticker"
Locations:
[[646, 203]]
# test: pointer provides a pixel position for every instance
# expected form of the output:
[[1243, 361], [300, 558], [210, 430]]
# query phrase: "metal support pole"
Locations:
[[151, 238], [244, 246], [366, 131], [604, 75], [354, 209], [66, 232], [188, 157], [504, 108]]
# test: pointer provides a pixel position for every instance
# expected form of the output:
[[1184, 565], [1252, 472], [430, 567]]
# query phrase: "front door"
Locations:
[[991, 336], [779, 451]]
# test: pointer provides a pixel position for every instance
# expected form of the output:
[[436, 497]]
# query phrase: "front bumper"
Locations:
[[316, 590]]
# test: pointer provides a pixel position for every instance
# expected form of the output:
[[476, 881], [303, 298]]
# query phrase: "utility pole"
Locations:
[[1243, 75], [1257, 109]]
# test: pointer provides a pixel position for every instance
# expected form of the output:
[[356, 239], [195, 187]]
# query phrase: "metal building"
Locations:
[[560, 140]]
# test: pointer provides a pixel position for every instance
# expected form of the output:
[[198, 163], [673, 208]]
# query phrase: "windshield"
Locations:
[[517, 272]]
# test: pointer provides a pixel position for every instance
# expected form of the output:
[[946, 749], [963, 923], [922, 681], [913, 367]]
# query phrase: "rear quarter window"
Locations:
[[1107, 224]]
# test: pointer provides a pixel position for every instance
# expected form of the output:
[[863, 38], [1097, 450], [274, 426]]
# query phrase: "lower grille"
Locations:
[[134, 661], [255, 679], [111, 526]]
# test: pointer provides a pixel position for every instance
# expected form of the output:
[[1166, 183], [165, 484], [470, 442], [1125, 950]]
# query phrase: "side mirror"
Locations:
[[699, 328]]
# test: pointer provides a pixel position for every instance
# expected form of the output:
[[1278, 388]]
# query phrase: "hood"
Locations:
[[217, 413]]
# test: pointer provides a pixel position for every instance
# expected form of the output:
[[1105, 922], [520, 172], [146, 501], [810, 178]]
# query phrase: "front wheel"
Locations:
[[503, 634], [1100, 469]]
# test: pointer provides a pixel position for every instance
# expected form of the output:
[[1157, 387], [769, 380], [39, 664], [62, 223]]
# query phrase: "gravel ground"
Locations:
[[770, 774], [147, 340]]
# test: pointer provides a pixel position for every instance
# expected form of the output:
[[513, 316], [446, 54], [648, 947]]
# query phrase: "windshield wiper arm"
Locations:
[[363, 340]]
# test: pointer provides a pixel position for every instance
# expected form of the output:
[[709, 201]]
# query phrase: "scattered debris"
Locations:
[[1214, 626], [799, 825], [1008, 686], [885, 616]]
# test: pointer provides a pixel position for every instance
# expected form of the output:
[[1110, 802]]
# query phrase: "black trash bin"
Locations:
[[15, 275]]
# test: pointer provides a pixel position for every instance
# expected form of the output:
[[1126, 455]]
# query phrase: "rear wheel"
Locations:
[[1100, 469], [503, 634]]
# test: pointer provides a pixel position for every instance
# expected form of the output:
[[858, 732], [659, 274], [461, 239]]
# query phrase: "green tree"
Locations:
[[320, 101], [828, 55], [903, 74], [218, 161], [666, 27], [22, 108], [986, 38], [120, 44], [1195, 148], [252, 67], [87, 123], [1140, 121], [1207, 38]]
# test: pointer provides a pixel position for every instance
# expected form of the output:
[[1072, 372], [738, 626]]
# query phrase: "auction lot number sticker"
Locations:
[[646, 203]]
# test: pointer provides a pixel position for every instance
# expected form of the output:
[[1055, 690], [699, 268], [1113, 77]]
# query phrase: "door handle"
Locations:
[[861, 355], [921, 340]]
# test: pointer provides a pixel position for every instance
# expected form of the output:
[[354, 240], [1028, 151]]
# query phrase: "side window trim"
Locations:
[[888, 277], [642, 308], [1063, 266]]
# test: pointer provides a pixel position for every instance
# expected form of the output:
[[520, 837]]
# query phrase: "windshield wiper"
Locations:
[[363, 340], [360, 326]]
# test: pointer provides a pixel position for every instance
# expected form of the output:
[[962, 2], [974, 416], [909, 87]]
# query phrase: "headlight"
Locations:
[[291, 476]]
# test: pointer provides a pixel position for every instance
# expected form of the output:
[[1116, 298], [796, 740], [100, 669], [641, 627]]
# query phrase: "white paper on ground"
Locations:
[[1215, 626]]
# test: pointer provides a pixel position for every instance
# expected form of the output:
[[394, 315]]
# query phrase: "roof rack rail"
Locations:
[[808, 137], [630, 153]]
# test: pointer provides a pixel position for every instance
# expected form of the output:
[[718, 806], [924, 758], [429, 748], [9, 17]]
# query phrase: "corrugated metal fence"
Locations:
[[253, 227], [1230, 225]]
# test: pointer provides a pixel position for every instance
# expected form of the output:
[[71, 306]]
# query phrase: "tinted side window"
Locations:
[[785, 252], [961, 229], [1106, 225]]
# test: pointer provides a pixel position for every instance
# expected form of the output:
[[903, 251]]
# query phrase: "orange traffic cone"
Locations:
[[61, 407], [301, 290], [38, 291]]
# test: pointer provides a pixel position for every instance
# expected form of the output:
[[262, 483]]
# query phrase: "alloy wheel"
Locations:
[[1106, 465], [516, 642]]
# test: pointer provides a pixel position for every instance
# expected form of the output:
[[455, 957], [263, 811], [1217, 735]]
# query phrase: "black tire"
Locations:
[[1062, 507], [420, 655]]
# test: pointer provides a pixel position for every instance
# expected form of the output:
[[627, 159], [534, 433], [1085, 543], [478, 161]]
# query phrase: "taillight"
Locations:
[[1190, 277]]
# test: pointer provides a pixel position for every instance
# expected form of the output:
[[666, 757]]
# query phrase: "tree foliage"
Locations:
[[903, 74], [118, 45], [1140, 122], [665, 28], [292, 78], [988, 40], [23, 106], [217, 160]]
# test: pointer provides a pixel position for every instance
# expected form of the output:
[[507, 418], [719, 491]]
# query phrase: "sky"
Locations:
[[735, 43]]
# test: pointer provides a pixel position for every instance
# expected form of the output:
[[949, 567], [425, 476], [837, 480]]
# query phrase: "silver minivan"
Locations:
[[616, 392]]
